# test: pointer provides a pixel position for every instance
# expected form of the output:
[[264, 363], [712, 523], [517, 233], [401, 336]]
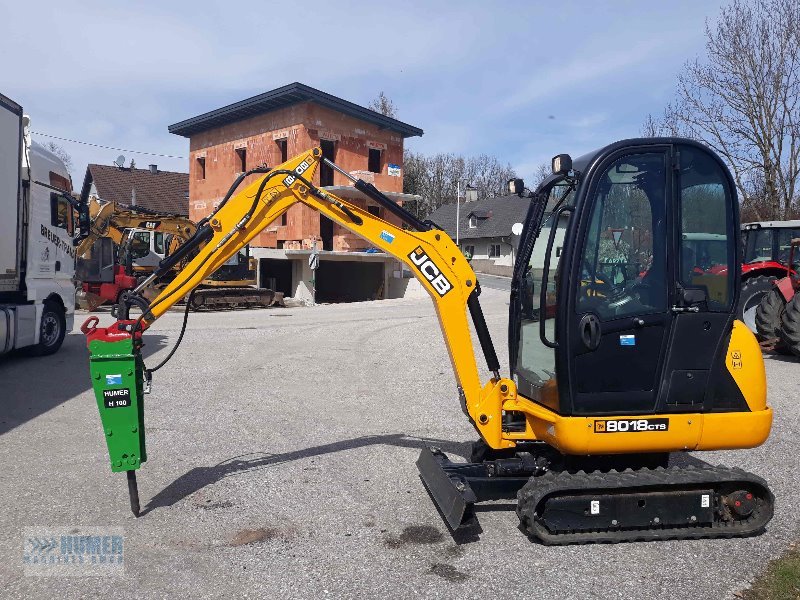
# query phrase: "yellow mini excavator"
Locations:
[[621, 350]]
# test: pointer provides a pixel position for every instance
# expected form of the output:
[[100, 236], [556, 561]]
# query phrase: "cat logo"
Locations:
[[430, 271]]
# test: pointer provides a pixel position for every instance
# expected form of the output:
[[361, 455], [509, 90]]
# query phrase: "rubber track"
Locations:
[[538, 490]]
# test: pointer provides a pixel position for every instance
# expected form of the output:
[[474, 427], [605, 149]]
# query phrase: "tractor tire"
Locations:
[[52, 329], [768, 315], [790, 326], [753, 292]]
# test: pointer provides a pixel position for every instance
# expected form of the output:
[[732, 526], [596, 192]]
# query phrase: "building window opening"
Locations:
[[283, 147], [374, 163], [284, 220], [326, 172], [374, 210], [473, 222], [241, 160], [494, 250], [201, 167]]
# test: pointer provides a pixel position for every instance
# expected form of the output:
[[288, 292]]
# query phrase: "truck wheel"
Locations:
[[753, 291], [52, 329], [790, 326], [768, 315]]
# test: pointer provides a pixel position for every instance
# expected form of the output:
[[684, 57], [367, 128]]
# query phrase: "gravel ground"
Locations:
[[282, 445]]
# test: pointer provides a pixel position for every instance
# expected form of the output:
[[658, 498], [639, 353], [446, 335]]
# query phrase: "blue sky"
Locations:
[[520, 80]]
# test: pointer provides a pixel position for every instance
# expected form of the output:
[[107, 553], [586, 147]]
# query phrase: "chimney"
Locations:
[[154, 169]]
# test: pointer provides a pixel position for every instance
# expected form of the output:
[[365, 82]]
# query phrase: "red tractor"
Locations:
[[778, 313], [766, 259]]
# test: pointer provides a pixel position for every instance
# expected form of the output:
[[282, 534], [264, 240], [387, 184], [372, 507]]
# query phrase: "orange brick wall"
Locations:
[[302, 125]]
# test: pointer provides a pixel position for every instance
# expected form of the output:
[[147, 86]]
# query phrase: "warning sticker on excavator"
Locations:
[[736, 359]]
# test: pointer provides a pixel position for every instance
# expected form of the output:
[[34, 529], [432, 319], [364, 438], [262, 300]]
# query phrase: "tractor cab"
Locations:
[[625, 282]]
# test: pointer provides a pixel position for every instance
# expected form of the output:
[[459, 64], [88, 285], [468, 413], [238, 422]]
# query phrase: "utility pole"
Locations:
[[458, 207]]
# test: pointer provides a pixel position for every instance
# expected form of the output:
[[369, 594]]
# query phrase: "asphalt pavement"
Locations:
[[281, 450], [495, 282]]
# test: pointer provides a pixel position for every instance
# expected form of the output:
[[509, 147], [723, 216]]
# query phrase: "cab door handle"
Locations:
[[590, 331]]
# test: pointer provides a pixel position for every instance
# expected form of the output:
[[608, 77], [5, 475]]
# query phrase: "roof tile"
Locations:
[[165, 192], [495, 217]]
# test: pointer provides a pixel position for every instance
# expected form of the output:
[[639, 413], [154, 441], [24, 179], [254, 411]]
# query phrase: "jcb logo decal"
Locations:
[[430, 271], [301, 168]]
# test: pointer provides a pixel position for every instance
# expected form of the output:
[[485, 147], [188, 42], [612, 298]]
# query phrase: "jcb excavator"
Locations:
[[143, 238], [623, 359]]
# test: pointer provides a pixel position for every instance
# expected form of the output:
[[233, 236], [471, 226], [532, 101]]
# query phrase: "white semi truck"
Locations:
[[38, 221]]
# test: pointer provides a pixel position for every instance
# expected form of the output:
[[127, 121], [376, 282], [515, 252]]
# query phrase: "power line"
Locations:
[[55, 137]]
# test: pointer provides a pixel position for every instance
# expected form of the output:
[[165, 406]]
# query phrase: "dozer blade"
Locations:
[[456, 487], [452, 495]]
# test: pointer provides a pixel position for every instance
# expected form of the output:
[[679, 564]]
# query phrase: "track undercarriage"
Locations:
[[235, 297], [572, 500]]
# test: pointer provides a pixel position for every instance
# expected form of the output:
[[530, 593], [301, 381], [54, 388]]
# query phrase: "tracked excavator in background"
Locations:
[[141, 239], [620, 353]]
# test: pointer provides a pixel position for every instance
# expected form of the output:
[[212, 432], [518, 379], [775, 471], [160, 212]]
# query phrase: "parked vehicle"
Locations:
[[39, 219], [766, 252], [778, 314]]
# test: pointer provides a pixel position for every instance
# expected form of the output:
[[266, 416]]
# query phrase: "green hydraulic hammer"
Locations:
[[118, 379]]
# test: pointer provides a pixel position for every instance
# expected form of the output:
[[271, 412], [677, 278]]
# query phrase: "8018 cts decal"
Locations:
[[630, 425], [431, 272]]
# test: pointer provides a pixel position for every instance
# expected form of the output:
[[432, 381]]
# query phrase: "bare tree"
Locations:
[[667, 126], [542, 172], [60, 153], [383, 105], [436, 178], [744, 101]]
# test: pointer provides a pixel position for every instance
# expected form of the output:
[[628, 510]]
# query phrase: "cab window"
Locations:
[[140, 244], [59, 211], [759, 245], [784, 239], [535, 368], [706, 205], [158, 242], [623, 265]]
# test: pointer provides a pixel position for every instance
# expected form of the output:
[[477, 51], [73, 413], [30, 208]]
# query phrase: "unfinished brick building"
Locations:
[[269, 128]]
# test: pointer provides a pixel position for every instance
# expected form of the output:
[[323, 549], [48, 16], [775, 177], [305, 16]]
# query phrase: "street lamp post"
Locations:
[[458, 208]]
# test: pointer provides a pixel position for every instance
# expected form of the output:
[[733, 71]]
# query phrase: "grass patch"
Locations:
[[780, 581]]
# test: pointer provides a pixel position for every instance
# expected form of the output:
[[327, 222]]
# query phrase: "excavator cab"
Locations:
[[633, 314]]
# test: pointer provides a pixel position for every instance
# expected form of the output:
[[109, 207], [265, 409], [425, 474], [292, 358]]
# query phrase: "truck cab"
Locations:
[[38, 221]]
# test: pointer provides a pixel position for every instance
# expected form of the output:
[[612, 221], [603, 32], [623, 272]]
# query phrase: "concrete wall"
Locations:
[[303, 126]]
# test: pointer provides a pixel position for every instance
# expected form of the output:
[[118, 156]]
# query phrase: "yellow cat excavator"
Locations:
[[141, 238], [620, 353]]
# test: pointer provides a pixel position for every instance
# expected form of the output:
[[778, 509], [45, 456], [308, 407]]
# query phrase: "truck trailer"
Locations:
[[38, 221]]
